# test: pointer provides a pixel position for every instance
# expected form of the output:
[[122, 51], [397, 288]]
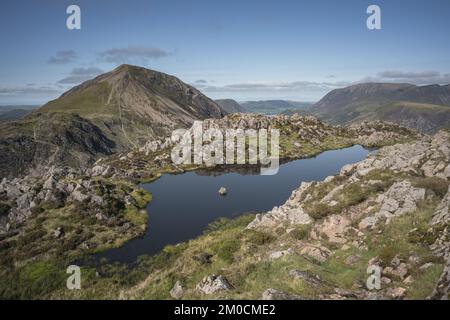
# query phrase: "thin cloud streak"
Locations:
[[132, 54], [81, 74], [63, 57]]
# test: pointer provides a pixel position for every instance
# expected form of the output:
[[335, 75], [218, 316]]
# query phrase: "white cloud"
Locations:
[[417, 78]]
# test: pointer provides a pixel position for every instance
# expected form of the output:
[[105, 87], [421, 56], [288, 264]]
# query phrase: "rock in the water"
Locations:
[[212, 284]]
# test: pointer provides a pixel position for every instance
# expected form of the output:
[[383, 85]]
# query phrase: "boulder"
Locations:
[[332, 228], [317, 253], [396, 293], [177, 291], [222, 191], [313, 280], [59, 232], [290, 213], [273, 294], [279, 254], [212, 284]]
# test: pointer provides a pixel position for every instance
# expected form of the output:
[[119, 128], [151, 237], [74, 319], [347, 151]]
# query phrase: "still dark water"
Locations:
[[183, 205]]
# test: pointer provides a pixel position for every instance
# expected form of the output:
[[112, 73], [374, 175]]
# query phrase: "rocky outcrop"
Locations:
[[401, 198], [442, 290], [291, 212], [310, 279], [317, 253], [177, 291], [411, 158], [333, 228], [155, 145], [27, 193], [375, 133], [397, 190], [273, 294], [212, 284], [60, 139]]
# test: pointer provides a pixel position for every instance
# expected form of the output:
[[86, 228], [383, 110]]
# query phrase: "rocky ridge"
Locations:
[[350, 226]]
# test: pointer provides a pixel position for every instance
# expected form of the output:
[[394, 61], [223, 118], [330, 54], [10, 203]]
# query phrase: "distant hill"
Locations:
[[230, 106], [13, 114], [274, 106], [7, 108], [116, 111], [425, 108]]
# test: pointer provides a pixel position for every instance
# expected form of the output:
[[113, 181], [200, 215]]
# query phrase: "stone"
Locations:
[[222, 191], [313, 280], [345, 293], [442, 289], [367, 223], [351, 260], [426, 266], [273, 294], [279, 254], [317, 253], [408, 280], [291, 212], [212, 284], [177, 291], [59, 232], [396, 293], [333, 229], [385, 280]]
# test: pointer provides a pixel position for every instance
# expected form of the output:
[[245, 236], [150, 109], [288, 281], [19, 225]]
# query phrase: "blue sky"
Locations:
[[244, 50]]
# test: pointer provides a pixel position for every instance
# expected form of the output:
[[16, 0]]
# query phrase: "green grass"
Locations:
[[136, 217]]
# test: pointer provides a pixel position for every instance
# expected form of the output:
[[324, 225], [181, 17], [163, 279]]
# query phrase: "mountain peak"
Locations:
[[134, 104]]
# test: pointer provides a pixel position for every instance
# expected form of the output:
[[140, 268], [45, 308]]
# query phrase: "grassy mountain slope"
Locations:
[[116, 111], [424, 108], [230, 106]]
